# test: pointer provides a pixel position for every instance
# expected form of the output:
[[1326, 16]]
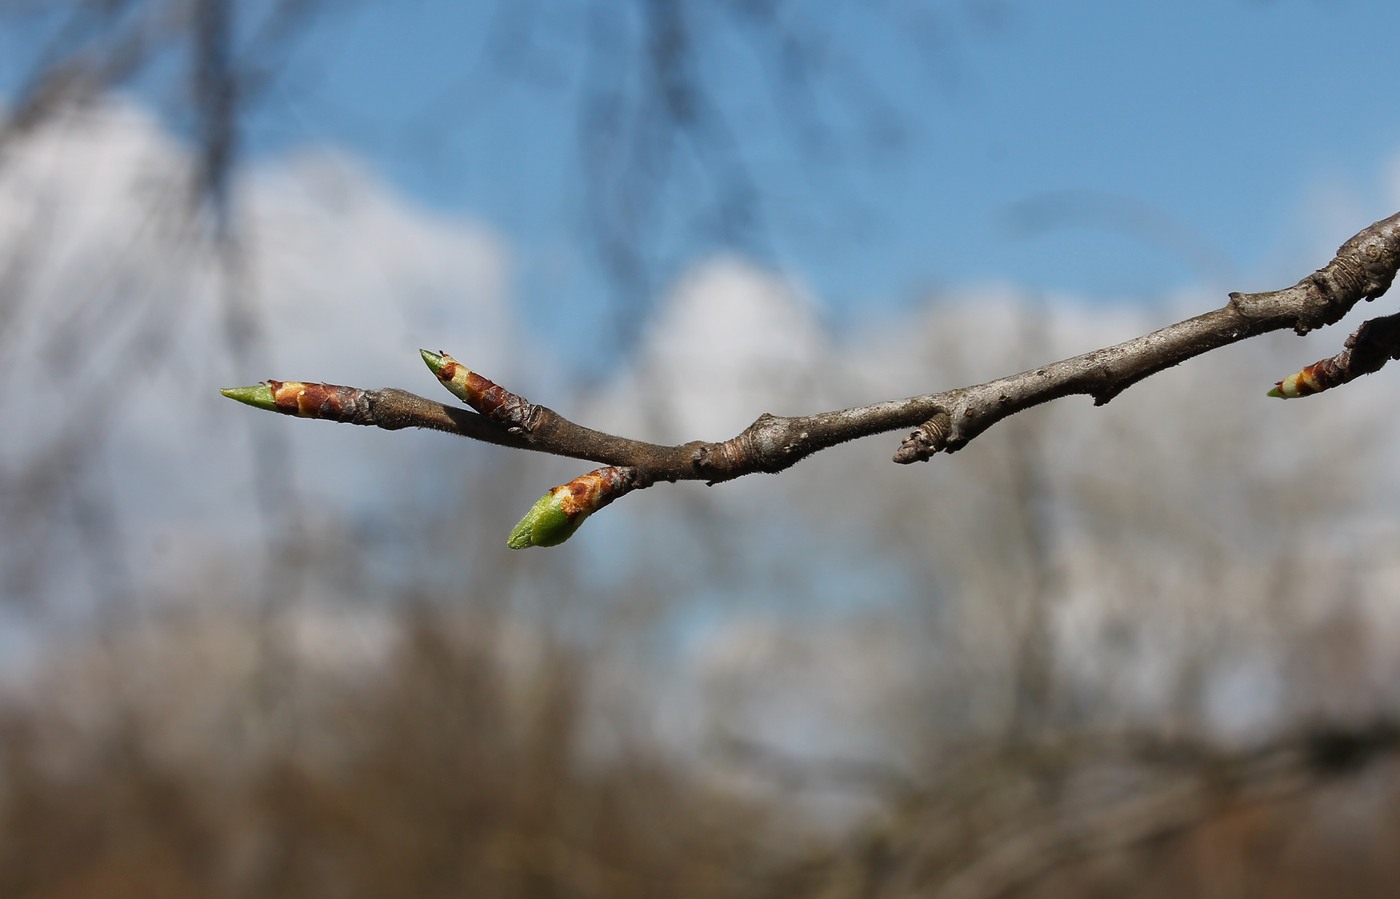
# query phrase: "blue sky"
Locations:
[[1215, 124], [1169, 144]]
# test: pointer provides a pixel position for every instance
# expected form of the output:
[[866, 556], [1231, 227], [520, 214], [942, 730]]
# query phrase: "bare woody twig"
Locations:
[[1363, 268]]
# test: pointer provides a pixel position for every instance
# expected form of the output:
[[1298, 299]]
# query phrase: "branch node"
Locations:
[[1369, 259], [1104, 395], [700, 459], [927, 439]]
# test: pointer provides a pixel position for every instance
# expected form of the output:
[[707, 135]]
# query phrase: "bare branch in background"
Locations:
[[75, 55], [999, 817], [1363, 268], [1192, 782], [654, 119]]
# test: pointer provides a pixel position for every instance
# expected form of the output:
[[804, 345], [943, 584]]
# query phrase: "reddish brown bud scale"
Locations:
[[1313, 379], [475, 390], [591, 492], [558, 514], [489, 398], [1367, 350], [327, 401], [480, 392]]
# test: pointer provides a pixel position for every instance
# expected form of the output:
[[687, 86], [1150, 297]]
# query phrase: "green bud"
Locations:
[[1313, 379], [547, 523], [434, 360], [559, 512], [463, 383], [259, 396]]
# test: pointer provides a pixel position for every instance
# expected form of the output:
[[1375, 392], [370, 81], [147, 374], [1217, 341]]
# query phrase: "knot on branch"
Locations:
[[767, 445], [721, 461], [1371, 257], [927, 439], [773, 444], [1363, 269]]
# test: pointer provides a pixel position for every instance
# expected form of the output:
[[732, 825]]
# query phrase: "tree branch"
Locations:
[[1367, 350], [1363, 268]]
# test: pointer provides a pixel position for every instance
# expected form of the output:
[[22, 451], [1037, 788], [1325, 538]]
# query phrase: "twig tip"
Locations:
[[435, 361], [259, 396]]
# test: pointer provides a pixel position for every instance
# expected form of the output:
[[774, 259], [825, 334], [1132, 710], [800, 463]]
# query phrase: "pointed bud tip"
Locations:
[[1294, 386], [546, 524], [259, 396], [434, 360]]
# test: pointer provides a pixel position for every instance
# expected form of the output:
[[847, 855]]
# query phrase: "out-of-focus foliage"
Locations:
[[439, 772], [448, 755]]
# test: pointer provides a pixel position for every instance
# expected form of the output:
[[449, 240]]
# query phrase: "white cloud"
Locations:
[[357, 278], [113, 326], [729, 342]]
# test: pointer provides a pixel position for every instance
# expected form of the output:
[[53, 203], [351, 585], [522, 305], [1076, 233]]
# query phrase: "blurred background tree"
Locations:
[[1145, 650]]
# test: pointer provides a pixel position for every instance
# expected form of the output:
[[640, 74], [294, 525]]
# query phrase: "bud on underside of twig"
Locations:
[[1313, 379], [1367, 350], [924, 441], [558, 514]]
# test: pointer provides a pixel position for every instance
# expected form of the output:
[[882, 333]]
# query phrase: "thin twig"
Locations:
[[1363, 268], [948, 420]]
